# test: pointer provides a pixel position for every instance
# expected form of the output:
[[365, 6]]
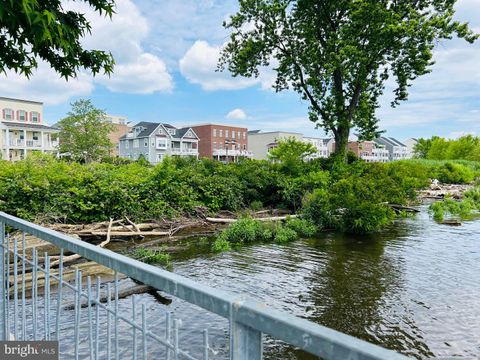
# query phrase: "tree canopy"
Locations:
[[339, 54], [290, 152], [84, 133], [42, 29], [464, 148]]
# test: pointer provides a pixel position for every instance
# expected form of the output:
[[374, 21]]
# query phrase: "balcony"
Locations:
[[34, 144], [184, 152], [17, 142], [223, 152]]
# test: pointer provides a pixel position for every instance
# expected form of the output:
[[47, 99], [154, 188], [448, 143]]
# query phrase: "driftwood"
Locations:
[[133, 290], [397, 207], [228, 221], [74, 257], [451, 222]]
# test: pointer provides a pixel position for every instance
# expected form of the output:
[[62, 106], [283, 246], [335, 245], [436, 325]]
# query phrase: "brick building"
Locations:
[[222, 142]]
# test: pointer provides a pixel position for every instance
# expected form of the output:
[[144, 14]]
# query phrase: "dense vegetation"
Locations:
[[437, 148], [331, 194], [466, 209]]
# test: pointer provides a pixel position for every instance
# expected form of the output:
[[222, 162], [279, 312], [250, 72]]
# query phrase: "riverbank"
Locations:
[[345, 197]]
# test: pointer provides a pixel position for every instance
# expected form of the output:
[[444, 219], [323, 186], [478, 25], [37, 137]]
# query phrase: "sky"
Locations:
[[166, 53]]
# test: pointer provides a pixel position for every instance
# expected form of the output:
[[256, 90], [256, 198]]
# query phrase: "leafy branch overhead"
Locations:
[[339, 54], [41, 29]]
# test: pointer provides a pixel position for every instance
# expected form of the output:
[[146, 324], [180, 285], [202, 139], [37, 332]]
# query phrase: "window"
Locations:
[[159, 157], [127, 144], [244, 146], [233, 134], [8, 114], [244, 135], [21, 115], [136, 143], [226, 133], [239, 134], [214, 132], [171, 131], [221, 133], [145, 143], [35, 135], [35, 116], [214, 145], [161, 143]]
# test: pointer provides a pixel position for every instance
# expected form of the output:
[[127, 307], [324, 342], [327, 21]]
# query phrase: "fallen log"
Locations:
[[403, 208], [134, 290], [74, 257], [125, 233], [229, 221]]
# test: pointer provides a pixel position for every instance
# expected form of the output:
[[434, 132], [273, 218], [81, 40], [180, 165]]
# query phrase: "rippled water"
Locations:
[[414, 288]]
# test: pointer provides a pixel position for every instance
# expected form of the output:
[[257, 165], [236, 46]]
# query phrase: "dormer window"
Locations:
[[8, 114], [171, 131], [35, 116]]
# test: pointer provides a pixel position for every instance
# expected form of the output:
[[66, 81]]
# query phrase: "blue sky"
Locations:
[[166, 52]]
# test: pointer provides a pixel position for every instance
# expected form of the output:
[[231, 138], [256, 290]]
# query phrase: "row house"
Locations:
[[260, 143], [22, 129], [369, 151], [396, 149], [222, 142], [154, 141], [120, 127]]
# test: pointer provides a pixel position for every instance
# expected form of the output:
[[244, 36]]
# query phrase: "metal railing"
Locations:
[[44, 313]]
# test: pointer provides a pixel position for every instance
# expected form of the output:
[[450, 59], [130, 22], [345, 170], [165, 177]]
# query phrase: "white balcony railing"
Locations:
[[177, 151], [223, 152], [17, 142], [34, 143]]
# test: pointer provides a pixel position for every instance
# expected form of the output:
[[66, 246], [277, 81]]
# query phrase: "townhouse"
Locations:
[[397, 150], [22, 130], [222, 142], [154, 141]]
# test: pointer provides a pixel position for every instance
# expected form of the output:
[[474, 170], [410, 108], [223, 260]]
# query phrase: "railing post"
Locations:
[[245, 342], [3, 330]]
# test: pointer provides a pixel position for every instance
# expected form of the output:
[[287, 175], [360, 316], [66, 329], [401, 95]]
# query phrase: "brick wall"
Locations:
[[210, 138]]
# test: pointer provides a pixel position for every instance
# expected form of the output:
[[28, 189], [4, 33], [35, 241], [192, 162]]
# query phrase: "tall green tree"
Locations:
[[84, 133], [338, 54], [42, 29], [291, 153]]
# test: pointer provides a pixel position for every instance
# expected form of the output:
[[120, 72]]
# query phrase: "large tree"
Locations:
[[338, 54], [84, 133], [42, 29]]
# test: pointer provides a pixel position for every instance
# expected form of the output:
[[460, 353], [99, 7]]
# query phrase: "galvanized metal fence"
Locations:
[[90, 325]]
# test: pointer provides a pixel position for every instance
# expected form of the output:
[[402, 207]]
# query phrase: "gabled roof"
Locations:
[[390, 141], [148, 129], [183, 131]]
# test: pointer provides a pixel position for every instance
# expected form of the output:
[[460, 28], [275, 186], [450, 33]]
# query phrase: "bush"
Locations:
[[302, 227], [285, 235], [451, 173]]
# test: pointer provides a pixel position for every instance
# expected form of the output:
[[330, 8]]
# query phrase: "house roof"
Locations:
[[21, 100], [390, 141], [28, 126], [181, 132], [148, 129]]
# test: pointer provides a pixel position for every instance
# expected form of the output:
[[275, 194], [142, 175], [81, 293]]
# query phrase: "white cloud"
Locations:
[[136, 71], [199, 66], [236, 114], [146, 75], [45, 85]]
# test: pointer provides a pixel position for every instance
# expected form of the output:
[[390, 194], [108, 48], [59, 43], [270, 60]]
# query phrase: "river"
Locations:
[[413, 288]]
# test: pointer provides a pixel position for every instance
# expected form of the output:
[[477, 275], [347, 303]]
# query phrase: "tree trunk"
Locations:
[[341, 142]]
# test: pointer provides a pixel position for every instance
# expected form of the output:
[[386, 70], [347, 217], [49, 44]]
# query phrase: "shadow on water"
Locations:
[[393, 288]]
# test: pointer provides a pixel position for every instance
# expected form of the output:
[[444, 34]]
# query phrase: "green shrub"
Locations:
[[285, 235], [151, 256], [451, 173], [256, 205], [302, 227]]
